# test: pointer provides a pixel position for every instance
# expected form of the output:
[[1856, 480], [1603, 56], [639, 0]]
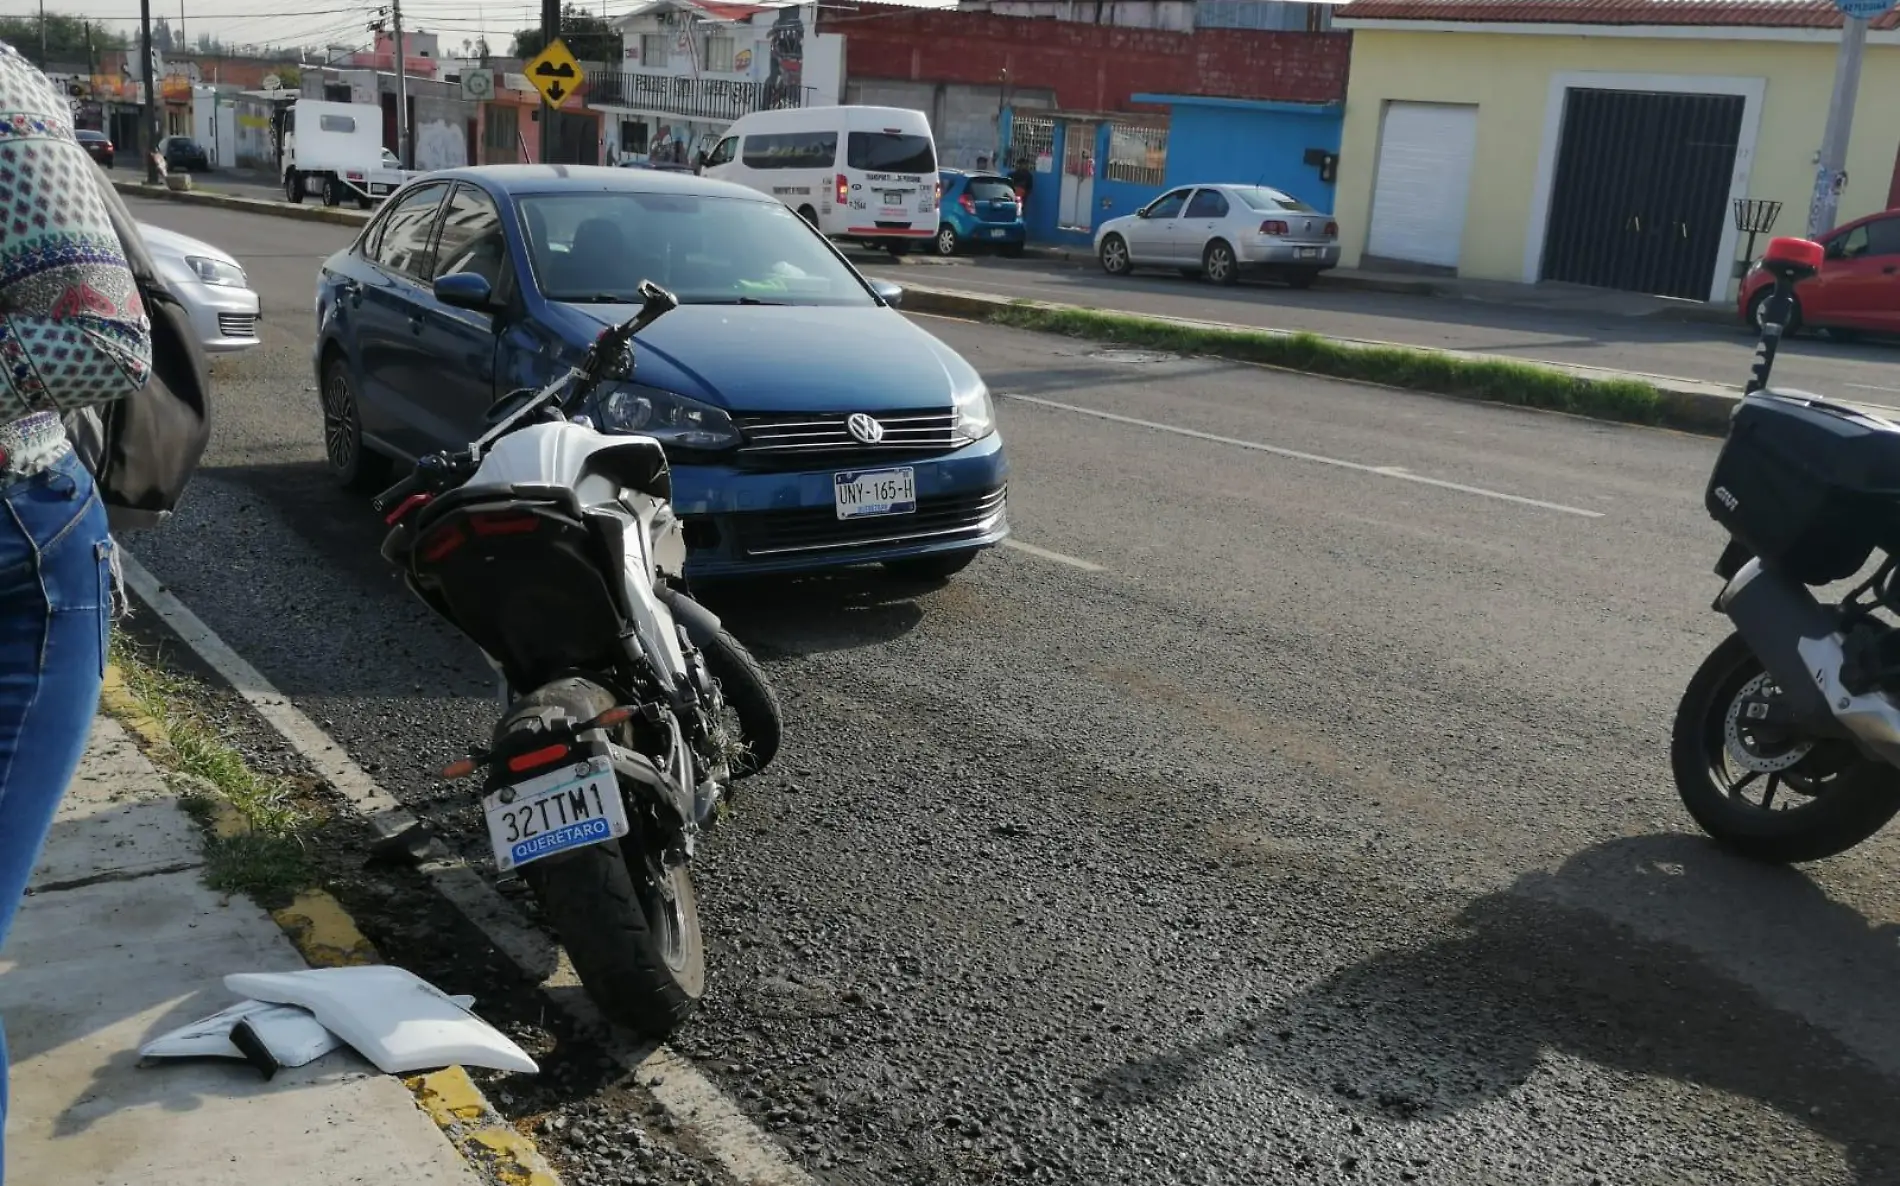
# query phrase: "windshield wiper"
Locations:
[[601, 298]]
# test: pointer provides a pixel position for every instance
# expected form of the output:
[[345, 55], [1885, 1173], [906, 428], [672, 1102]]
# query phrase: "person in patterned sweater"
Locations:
[[73, 334]]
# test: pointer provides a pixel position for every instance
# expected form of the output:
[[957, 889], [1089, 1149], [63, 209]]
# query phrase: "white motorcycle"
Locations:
[[630, 710]]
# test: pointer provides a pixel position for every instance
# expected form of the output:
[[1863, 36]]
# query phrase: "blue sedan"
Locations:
[[809, 424]]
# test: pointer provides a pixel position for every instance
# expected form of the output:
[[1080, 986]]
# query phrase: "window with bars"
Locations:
[[1137, 153], [499, 129], [653, 49]]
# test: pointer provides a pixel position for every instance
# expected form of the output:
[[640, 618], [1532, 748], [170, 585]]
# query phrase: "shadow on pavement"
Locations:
[[1414, 1034]]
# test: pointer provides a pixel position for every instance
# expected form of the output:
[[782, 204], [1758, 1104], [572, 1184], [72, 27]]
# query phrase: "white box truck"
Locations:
[[335, 151]]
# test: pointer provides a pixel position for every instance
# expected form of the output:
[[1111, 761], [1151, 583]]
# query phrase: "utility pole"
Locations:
[[550, 29], [181, 44], [1830, 171], [148, 111], [43, 58], [402, 93], [1830, 174]]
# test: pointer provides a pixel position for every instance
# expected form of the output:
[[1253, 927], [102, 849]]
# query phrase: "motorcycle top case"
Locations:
[[1810, 487]]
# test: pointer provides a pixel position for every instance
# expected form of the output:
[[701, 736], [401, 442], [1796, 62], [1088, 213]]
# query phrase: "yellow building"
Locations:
[[1600, 142]]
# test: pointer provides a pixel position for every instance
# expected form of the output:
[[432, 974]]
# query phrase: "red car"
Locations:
[[1857, 289], [97, 146]]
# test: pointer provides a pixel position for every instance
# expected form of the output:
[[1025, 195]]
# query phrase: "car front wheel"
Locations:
[[1114, 256]]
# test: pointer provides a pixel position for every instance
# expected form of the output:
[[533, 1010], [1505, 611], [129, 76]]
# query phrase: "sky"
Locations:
[[314, 22]]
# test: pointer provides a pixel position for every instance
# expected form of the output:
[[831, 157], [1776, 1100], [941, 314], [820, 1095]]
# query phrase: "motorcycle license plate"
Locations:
[[569, 808], [861, 494]]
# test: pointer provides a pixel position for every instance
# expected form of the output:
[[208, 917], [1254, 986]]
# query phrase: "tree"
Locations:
[[65, 37], [161, 36], [589, 37]]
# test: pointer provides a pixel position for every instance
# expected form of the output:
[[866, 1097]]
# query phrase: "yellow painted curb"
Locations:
[[493, 1146], [323, 932], [116, 698]]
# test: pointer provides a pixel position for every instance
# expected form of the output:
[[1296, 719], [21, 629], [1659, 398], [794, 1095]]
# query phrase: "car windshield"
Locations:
[[598, 247], [83, 134], [890, 152], [991, 189], [1261, 198]]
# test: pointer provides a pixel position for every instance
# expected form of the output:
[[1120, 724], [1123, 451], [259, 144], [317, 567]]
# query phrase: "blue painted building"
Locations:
[[1091, 168]]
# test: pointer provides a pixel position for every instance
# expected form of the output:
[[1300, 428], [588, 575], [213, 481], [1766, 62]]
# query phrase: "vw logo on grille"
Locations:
[[864, 428]]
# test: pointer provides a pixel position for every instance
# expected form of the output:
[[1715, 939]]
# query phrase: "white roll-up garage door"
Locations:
[[1423, 182]]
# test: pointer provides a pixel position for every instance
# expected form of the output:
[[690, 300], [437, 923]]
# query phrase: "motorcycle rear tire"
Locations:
[[643, 964], [1858, 803]]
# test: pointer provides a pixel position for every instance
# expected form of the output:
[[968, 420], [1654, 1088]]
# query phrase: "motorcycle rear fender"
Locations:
[[1797, 640]]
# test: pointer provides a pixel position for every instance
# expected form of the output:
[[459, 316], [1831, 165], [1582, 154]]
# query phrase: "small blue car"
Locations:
[[808, 423], [978, 210]]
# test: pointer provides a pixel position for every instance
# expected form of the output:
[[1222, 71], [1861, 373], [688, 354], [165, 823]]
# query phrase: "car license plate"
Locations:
[[1309, 253], [573, 807], [863, 493], [997, 233]]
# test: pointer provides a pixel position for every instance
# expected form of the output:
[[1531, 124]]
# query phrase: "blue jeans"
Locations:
[[55, 618]]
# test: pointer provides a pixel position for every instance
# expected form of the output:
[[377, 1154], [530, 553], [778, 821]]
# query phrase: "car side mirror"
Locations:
[[891, 294], [1836, 248], [1142, 213], [465, 290]]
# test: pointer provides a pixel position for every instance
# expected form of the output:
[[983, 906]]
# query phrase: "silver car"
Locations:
[[211, 285], [1222, 232]]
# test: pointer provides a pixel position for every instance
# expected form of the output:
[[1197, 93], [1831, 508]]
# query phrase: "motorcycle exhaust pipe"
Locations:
[[1777, 617]]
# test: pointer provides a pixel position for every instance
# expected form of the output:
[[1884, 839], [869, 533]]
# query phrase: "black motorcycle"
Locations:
[[1787, 742]]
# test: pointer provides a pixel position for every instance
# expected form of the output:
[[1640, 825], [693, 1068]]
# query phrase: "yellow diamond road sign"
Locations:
[[554, 72]]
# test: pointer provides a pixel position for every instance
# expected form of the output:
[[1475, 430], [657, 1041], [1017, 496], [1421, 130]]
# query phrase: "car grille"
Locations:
[[237, 325], [817, 529], [802, 441]]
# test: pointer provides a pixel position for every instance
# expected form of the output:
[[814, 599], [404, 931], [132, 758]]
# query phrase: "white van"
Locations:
[[867, 174]]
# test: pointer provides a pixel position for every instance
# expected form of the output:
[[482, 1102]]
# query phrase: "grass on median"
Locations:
[[254, 826], [1523, 384]]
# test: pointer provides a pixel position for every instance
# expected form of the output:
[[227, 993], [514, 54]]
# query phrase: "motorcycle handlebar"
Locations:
[[393, 497]]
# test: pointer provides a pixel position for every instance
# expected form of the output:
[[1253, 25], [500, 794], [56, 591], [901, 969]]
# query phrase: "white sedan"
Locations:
[[1221, 232], [211, 285]]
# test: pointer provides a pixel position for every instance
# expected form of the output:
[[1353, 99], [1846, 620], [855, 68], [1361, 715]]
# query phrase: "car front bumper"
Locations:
[[1289, 255], [224, 318], [743, 522]]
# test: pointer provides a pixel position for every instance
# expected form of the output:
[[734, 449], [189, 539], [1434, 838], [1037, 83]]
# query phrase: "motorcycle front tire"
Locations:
[[1856, 804], [746, 690], [630, 923]]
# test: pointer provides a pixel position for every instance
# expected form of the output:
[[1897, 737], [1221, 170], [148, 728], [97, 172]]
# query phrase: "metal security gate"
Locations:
[[1640, 197]]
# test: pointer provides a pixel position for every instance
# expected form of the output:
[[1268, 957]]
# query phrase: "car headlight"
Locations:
[[976, 415], [216, 271], [667, 418]]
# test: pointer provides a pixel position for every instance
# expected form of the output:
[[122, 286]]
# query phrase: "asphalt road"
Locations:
[[1862, 372], [1318, 830]]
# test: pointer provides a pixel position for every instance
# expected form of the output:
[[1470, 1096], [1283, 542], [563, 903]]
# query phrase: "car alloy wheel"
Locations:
[[342, 436], [1115, 259], [946, 240]]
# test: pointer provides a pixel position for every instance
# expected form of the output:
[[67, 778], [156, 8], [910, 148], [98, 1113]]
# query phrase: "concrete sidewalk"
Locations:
[[121, 941]]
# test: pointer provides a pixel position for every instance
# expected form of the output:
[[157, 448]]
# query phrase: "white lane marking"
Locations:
[[694, 1102], [1058, 557], [1384, 471], [1870, 387]]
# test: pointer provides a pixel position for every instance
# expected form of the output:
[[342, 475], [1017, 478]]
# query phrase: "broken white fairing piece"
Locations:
[[292, 1035], [394, 1018]]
